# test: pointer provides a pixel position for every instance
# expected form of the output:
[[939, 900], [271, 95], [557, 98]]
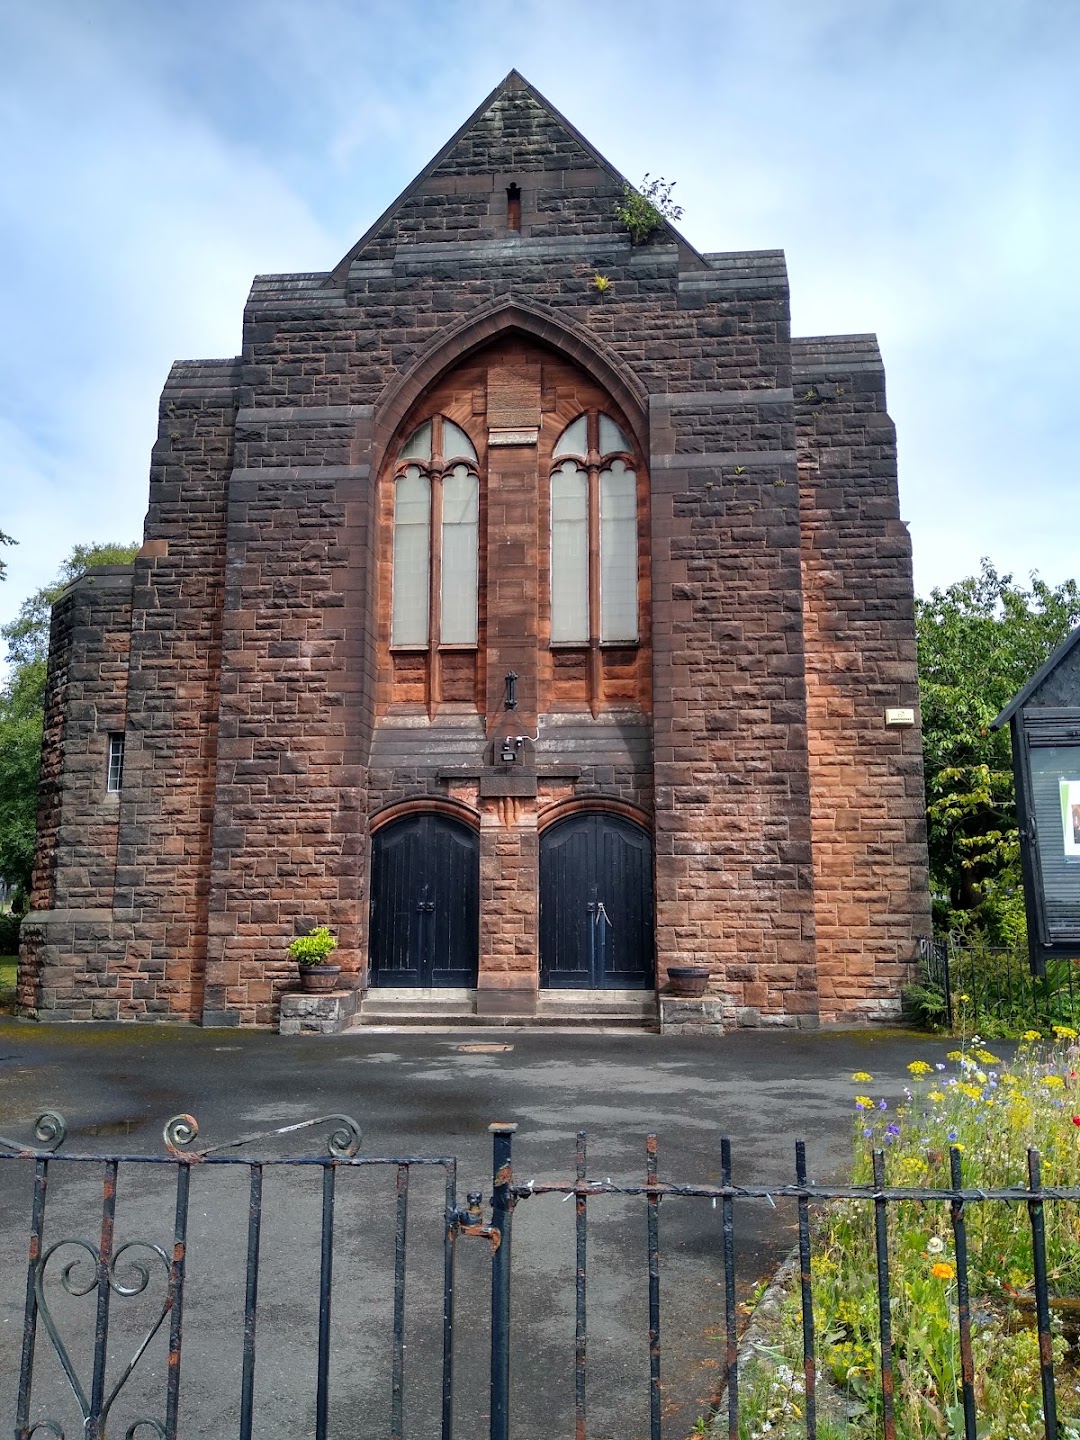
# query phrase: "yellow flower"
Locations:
[[1064, 1032], [919, 1067], [864, 1102], [963, 999], [985, 1057], [1030, 1035], [943, 1270], [861, 1077], [1009, 1080], [955, 1055], [973, 1092], [935, 1095]]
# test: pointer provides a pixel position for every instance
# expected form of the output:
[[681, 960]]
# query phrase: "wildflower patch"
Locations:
[[991, 1114]]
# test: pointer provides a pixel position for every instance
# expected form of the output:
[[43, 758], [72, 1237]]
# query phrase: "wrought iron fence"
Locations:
[[125, 1271], [117, 1271], [997, 983]]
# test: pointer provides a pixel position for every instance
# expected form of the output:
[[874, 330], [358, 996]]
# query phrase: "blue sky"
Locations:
[[916, 159]]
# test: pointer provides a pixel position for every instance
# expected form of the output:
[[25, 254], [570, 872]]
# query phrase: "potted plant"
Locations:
[[317, 974], [687, 982]]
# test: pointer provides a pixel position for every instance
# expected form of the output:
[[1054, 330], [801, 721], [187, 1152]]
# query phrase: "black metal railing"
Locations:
[[123, 1271], [978, 982]]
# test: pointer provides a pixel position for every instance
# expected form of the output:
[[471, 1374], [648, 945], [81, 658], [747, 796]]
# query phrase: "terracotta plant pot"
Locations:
[[688, 982], [319, 979]]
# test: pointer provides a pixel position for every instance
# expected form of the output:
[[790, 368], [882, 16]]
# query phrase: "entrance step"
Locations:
[[417, 1007], [606, 1009], [555, 1009]]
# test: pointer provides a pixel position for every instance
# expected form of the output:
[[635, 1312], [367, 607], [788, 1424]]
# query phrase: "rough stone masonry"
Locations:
[[729, 779]]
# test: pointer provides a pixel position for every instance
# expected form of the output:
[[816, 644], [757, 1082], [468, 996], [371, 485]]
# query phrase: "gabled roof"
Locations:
[[1024, 695], [567, 137]]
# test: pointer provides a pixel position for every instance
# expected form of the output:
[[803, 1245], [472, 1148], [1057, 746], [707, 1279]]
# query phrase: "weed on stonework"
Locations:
[[992, 1112]]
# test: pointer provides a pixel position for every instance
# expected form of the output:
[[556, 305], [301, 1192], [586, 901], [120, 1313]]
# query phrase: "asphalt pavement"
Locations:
[[419, 1094]]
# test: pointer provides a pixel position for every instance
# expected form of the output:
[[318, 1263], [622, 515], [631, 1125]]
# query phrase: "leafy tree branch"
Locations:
[[979, 642]]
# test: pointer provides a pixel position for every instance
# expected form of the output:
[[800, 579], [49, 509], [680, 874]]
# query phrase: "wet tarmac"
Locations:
[[429, 1094]]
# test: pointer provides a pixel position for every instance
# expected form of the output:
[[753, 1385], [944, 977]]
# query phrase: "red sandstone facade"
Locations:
[[716, 773]]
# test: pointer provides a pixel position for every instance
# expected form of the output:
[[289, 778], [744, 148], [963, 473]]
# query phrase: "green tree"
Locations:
[[979, 642], [22, 707], [5, 540]]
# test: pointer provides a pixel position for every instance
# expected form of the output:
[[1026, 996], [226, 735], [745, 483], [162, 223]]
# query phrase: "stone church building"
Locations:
[[535, 632]]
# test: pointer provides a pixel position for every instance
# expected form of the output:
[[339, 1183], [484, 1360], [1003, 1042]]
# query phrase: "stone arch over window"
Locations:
[[499, 320]]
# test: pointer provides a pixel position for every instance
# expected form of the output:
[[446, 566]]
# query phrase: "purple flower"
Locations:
[[953, 1135], [868, 1133], [892, 1129], [882, 1104]]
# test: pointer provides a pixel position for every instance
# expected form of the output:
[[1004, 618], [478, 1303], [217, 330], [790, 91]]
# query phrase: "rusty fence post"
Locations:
[[502, 1207]]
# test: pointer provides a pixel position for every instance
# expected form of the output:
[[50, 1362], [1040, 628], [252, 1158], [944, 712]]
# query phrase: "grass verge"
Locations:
[[8, 969]]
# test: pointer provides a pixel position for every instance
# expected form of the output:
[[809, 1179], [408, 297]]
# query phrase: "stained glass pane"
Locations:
[[612, 438], [412, 551], [456, 445], [418, 445], [570, 554], [618, 553], [461, 514], [574, 440]]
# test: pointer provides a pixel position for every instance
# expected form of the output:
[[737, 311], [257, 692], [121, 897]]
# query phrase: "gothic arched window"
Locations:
[[436, 499], [594, 559]]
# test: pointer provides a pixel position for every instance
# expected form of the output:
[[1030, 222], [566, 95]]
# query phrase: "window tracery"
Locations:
[[594, 543], [435, 587]]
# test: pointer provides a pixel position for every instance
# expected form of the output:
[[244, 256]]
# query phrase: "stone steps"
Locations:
[[556, 1009]]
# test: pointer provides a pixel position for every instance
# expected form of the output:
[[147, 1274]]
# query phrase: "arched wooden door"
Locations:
[[596, 904], [425, 903]]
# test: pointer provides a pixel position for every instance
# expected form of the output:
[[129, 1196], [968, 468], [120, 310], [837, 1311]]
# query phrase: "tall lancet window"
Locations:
[[436, 535], [594, 550]]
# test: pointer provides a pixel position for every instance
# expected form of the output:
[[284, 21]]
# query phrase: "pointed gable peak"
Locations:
[[515, 136], [516, 129]]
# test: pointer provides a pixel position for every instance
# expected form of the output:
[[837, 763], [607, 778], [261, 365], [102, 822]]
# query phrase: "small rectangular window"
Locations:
[[115, 776]]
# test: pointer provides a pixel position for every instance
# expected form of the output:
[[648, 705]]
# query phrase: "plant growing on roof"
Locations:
[[643, 211], [313, 948]]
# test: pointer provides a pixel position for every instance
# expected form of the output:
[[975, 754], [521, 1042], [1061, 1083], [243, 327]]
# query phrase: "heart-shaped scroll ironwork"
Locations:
[[139, 1272]]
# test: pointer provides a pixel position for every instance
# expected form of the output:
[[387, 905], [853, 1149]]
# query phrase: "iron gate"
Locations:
[[122, 1271]]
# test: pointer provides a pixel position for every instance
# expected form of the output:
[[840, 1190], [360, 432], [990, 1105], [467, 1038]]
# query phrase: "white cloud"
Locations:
[[916, 161]]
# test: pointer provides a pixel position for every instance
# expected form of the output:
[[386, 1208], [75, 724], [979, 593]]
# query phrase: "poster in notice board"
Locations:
[[1070, 816]]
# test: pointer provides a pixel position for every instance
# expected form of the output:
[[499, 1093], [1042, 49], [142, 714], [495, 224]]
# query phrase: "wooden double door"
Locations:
[[596, 904], [425, 903]]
